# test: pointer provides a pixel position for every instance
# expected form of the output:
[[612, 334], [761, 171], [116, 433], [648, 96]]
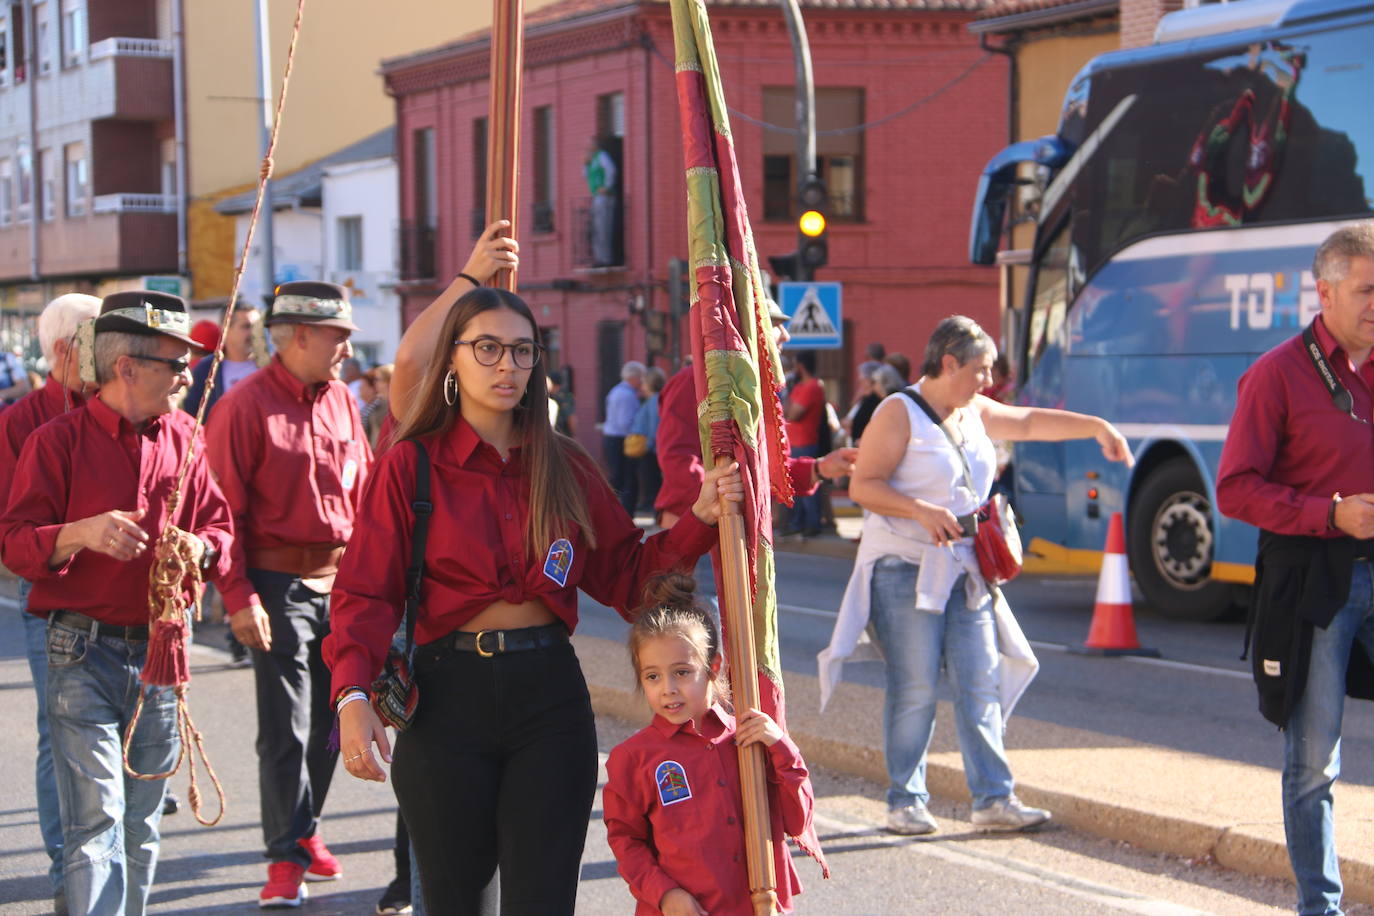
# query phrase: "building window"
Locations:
[[4, 50], [73, 32], [543, 169], [6, 191], [168, 167], [25, 184], [17, 43], [47, 185], [839, 156], [477, 218], [75, 156], [350, 243], [610, 115], [418, 233], [42, 17]]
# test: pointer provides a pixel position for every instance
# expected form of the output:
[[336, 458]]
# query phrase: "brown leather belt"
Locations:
[[308, 561], [96, 628]]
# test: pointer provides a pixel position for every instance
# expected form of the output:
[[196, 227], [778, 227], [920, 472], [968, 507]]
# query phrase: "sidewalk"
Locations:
[[1190, 805]]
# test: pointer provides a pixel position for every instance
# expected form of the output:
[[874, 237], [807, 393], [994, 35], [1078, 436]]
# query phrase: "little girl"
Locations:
[[674, 816]]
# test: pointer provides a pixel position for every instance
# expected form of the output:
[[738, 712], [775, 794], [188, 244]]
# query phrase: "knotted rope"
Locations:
[[175, 572]]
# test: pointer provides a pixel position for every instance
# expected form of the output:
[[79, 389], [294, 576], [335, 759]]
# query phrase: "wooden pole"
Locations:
[[738, 611], [503, 121]]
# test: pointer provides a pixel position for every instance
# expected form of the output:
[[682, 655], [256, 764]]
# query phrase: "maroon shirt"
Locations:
[[476, 551], [292, 460], [90, 461], [679, 449], [675, 818], [19, 420], [1289, 449]]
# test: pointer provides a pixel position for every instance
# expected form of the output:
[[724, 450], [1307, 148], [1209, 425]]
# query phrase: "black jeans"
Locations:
[[499, 768], [622, 471], [295, 763]]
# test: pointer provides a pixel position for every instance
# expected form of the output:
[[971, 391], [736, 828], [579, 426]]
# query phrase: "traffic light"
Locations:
[[813, 250], [679, 287]]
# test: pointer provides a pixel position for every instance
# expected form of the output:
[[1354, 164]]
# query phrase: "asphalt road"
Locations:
[[1197, 698]]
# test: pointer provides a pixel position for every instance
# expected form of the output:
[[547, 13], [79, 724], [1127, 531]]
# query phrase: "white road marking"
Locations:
[[1060, 647], [1003, 867]]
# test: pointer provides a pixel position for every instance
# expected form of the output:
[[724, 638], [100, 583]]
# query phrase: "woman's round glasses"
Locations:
[[489, 351]]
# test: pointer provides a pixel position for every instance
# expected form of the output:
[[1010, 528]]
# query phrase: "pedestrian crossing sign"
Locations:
[[814, 315]]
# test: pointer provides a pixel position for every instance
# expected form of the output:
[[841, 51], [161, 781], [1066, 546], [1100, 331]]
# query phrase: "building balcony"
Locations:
[[125, 79], [104, 243], [134, 203], [417, 244]]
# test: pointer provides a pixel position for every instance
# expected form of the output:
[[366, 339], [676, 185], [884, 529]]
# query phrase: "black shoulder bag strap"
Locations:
[[1340, 395], [930, 412], [419, 538]]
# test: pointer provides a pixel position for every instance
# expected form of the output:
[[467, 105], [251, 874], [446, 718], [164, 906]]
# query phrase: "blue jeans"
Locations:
[[1312, 750], [806, 512], [109, 820], [49, 815], [914, 642]]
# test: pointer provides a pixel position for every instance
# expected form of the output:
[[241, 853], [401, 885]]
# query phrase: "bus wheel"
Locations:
[[1171, 545]]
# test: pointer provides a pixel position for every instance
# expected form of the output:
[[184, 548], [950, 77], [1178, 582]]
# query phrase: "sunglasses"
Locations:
[[177, 366]]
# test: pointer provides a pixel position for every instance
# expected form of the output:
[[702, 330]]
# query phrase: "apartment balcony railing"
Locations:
[[134, 203], [417, 246], [598, 233], [131, 47]]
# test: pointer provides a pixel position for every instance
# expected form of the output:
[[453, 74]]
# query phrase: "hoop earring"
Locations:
[[450, 389]]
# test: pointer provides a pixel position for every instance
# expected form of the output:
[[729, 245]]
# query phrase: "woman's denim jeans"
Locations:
[[1312, 750], [914, 643], [109, 820]]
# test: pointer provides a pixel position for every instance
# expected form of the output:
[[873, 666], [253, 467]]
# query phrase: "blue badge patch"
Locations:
[[671, 779], [559, 561]]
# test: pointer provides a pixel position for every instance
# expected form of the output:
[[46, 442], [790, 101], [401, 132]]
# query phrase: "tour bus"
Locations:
[[1176, 211]]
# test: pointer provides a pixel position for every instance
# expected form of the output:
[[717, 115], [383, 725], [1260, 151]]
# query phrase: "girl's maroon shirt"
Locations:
[[476, 552]]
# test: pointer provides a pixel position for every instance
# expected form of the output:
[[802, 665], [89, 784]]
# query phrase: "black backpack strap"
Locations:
[[419, 539], [934, 418]]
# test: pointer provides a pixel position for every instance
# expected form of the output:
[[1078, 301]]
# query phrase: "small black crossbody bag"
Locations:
[[394, 695]]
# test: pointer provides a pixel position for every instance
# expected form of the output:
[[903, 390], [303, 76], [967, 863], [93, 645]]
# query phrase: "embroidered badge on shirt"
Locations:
[[671, 779], [350, 474], [559, 561]]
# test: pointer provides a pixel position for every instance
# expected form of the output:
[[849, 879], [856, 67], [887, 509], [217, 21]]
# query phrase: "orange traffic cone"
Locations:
[[1113, 627]]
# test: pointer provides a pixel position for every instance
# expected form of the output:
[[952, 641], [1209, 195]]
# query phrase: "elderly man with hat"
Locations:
[[289, 449], [90, 495], [679, 443]]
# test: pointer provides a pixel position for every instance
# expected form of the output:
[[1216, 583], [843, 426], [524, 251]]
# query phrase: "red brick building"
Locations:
[[909, 108]]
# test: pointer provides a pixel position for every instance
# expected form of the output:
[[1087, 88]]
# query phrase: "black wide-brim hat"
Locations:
[[311, 302], [142, 311]]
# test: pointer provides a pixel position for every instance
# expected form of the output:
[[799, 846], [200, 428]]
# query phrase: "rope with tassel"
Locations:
[[175, 572]]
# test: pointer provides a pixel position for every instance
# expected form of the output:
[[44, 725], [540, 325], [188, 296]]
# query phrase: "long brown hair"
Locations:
[[557, 497]]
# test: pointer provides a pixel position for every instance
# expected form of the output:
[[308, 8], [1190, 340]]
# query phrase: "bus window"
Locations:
[[1055, 269]]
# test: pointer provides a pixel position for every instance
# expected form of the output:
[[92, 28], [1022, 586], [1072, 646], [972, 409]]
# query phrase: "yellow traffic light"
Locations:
[[811, 223]]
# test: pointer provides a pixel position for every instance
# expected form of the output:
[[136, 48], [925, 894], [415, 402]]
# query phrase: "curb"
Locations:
[[1097, 784]]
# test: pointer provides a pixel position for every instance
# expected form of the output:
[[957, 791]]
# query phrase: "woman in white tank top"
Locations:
[[916, 578]]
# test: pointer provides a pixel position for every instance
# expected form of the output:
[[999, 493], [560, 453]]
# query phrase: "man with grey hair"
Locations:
[[64, 391], [1298, 464], [622, 403], [91, 490], [288, 446]]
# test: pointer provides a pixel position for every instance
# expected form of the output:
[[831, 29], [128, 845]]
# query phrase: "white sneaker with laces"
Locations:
[[911, 820], [1009, 814]]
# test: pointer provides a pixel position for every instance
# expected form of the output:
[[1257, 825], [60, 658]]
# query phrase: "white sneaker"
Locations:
[[1009, 814], [911, 820]]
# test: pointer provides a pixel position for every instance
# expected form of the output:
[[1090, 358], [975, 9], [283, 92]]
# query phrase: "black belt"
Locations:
[[95, 628], [1364, 550], [487, 643]]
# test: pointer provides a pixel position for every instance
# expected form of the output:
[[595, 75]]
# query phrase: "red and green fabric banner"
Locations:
[[736, 365]]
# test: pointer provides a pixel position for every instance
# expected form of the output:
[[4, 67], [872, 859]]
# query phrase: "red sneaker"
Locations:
[[323, 865], [284, 887]]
